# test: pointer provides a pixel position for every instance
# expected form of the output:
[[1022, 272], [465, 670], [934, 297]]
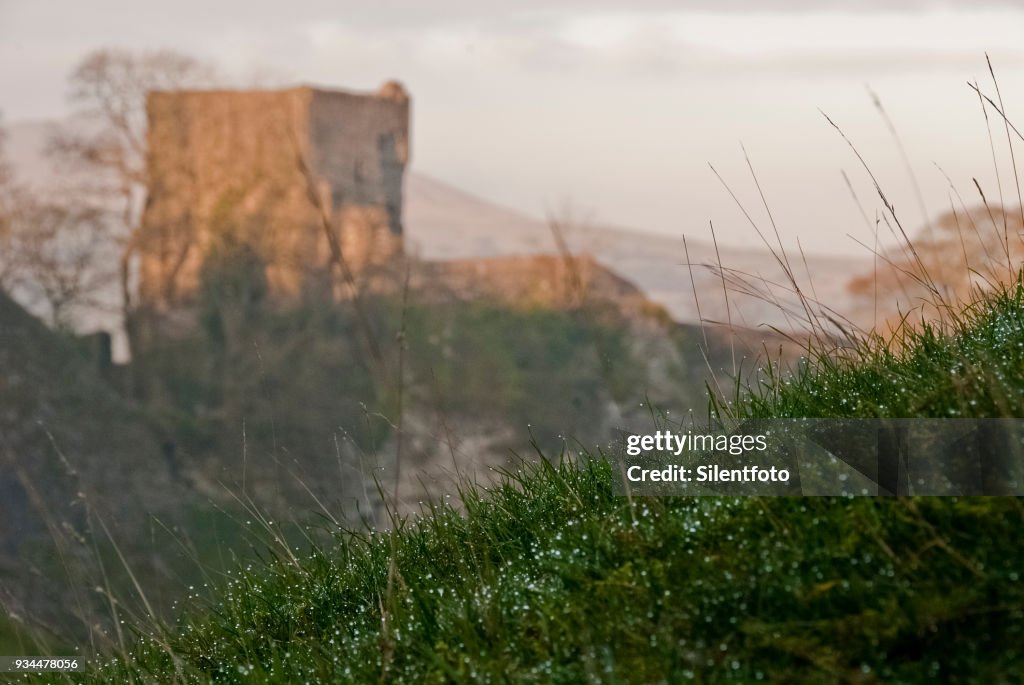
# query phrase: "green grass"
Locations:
[[547, 577], [974, 370]]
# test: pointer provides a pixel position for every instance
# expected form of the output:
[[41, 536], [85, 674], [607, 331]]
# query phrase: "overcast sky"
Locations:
[[614, 107]]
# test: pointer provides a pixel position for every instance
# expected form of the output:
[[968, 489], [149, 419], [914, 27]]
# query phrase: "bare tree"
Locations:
[[5, 183], [5, 169], [56, 253], [9, 194], [52, 247], [109, 89]]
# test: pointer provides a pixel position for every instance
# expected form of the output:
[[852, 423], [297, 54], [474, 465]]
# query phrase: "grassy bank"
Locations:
[[549, 578]]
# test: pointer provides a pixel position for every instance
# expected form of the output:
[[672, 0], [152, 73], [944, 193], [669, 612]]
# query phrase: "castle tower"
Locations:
[[253, 176]]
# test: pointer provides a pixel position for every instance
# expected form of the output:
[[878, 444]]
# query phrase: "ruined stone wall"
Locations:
[[232, 178], [545, 281]]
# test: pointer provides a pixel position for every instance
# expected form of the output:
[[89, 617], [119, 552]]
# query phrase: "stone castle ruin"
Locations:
[[260, 176], [277, 184]]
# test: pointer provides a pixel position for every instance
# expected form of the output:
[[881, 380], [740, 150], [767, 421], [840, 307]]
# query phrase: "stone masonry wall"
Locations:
[[232, 176]]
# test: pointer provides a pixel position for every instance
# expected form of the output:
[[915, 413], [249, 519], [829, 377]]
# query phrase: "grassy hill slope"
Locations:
[[549, 578]]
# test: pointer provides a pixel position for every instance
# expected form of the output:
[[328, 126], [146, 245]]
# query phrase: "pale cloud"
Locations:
[[807, 43], [648, 45], [363, 42]]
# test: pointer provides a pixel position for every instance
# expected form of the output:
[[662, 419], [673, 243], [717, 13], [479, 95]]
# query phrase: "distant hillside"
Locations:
[[498, 353], [443, 222]]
